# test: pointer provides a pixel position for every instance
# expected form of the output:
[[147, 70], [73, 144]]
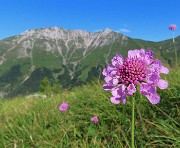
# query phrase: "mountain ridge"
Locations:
[[77, 55]]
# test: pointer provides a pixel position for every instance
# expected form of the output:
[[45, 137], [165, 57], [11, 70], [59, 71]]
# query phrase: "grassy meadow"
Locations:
[[37, 122]]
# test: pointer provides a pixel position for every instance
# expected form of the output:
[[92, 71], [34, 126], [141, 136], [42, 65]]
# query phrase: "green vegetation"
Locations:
[[48, 88], [46, 59], [65, 61], [37, 122]]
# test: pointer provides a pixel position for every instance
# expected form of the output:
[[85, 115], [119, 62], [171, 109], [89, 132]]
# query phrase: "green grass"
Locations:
[[39, 123]]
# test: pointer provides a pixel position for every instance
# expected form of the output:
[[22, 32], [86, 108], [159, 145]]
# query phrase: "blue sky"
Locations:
[[143, 19]]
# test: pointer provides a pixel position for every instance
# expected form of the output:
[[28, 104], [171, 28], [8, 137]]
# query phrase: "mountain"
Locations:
[[70, 57]]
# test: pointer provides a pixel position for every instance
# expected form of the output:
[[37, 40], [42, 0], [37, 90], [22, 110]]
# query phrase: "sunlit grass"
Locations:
[[39, 123]]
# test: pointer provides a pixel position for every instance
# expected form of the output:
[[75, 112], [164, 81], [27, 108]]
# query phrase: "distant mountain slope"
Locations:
[[71, 57]]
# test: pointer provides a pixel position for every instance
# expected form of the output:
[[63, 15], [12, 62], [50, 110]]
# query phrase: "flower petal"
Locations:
[[150, 53], [108, 79], [115, 100], [147, 89], [108, 86], [134, 53], [162, 84], [118, 59], [148, 56], [118, 91], [144, 89], [164, 70], [110, 70], [131, 89], [115, 81], [105, 72], [153, 98], [119, 94], [124, 101], [153, 78], [142, 52]]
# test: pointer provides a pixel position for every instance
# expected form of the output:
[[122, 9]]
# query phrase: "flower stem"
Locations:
[[132, 124], [175, 52]]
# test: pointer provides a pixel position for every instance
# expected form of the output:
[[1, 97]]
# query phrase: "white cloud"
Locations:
[[124, 30]]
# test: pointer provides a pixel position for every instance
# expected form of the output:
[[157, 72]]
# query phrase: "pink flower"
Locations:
[[95, 119], [138, 68], [63, 107], [172, 27]]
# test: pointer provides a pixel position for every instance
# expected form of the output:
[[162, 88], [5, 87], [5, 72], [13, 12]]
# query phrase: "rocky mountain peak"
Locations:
[[60, 33]]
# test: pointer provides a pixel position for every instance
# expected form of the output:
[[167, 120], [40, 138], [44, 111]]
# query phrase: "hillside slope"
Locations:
[[68, 57], [37, 122]]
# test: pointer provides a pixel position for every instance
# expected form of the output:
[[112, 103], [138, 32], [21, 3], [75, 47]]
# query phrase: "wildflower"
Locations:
[[139, 68], [63, 107], [95, 119], [172, 27]]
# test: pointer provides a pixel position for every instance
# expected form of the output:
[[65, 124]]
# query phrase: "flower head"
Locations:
[[172, 27], [139, 68], [63, 107], [95, 119]]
